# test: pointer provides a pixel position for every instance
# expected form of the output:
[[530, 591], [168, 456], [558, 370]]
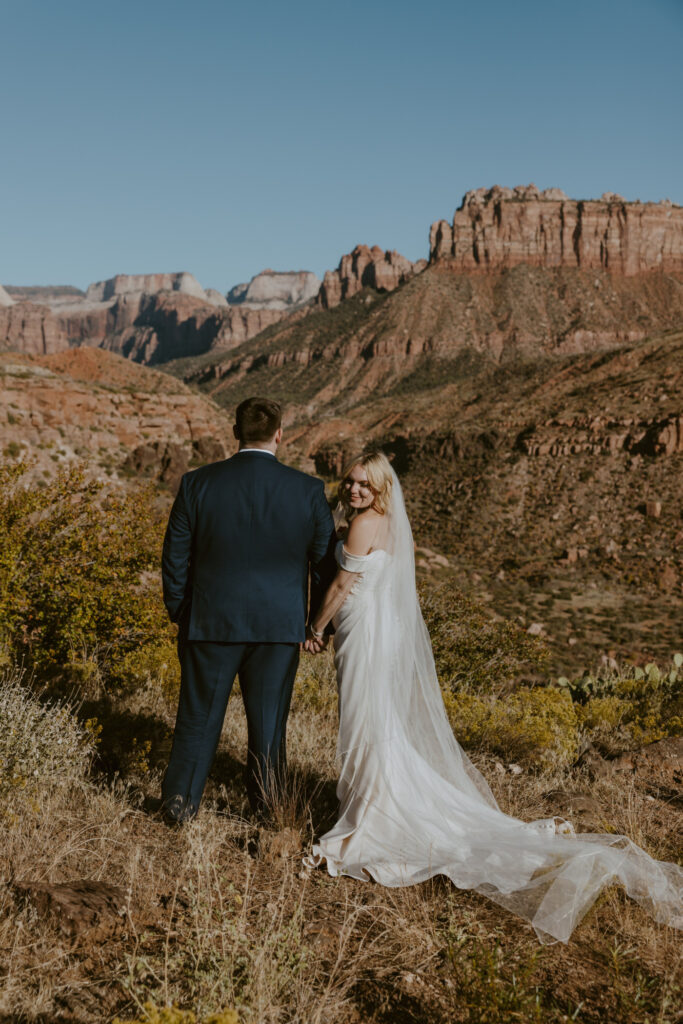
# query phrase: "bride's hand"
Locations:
[[314, 643]]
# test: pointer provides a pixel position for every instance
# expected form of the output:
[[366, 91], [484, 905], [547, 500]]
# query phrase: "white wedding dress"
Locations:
[[414, 806]]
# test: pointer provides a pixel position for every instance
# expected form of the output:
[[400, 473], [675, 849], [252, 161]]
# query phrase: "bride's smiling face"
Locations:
[[360, 493]]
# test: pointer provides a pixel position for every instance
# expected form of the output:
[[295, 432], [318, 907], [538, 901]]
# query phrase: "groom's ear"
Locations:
[[278, 435]]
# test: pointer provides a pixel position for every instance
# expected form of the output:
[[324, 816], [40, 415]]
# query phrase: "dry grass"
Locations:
[[219, 917]]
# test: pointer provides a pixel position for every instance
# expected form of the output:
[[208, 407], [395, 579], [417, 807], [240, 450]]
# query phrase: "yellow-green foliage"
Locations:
[[628, 706], [534, 726], [470, 648], [315, 686], [172, 1015], [80, 594]]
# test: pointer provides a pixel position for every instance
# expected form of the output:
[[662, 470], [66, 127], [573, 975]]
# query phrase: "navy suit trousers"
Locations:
[[266, 673]]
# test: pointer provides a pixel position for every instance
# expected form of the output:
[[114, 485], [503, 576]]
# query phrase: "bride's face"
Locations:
[[360, 493]]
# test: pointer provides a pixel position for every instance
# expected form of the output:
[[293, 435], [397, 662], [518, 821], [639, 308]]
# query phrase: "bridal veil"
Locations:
[[414, 806]]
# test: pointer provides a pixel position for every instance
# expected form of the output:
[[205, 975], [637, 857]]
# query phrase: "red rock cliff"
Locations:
[[366, 267], [503, 227]]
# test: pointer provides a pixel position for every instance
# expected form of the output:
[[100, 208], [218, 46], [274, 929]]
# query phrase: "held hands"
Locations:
[[315, 642]]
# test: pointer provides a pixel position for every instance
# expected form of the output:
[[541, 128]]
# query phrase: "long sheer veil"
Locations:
[[415, 803]]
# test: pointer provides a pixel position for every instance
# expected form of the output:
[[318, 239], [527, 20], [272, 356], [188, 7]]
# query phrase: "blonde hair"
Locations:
[[378, 469]]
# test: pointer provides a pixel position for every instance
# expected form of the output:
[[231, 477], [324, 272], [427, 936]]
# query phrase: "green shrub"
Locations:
[[625, 707], [472, 650], [533, 726], [80, 595]]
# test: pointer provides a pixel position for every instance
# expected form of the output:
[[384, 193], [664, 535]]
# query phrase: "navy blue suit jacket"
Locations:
[[240, 538]]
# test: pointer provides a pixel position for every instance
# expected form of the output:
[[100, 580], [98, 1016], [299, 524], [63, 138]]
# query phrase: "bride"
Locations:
[[412, 804]]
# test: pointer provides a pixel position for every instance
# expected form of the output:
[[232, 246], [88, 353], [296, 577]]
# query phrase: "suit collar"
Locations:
[[254, 451]]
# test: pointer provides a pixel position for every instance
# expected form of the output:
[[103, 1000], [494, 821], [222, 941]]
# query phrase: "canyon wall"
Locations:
[[503, 227], [25, 327]]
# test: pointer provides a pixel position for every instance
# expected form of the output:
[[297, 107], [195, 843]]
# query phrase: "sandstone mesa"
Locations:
[[503, 227], [276, 290]]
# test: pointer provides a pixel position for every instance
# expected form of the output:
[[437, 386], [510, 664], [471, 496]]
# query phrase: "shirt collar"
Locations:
[[261, 451]]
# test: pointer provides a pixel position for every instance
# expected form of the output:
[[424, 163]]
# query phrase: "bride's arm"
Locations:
[[358, 541], [337, 592]]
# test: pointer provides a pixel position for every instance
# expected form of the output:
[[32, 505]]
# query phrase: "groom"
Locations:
[[240, 539]]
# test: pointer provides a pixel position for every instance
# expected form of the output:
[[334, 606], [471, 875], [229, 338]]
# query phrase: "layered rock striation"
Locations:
[[126, 284], [365, 267], [146, 326], [272, 289], [503, 227], [25, 327], [601, 435], [87, 404]]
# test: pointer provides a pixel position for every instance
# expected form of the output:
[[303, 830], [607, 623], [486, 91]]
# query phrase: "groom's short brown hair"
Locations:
[[257, 419]]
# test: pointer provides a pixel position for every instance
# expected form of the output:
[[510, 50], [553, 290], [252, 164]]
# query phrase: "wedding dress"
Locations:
[[412, 803]]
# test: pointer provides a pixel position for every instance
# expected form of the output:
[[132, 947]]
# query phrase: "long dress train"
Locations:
[[412, 803]]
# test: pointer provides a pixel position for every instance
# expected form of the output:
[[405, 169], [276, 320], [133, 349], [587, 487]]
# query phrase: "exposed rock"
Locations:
[[502, 227], [653, 509], [366, 268], [80, 910], [658, 765], [574, 805], [594, 764], [5, 299], [168, 460], [668, 578], [53, 295], [88, 403], [124, 284], [215, 297], [273, 289], [25, 327], [169, 325], [597, 435]]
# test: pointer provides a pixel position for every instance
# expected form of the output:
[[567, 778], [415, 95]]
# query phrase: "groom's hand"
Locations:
[[314, 644]]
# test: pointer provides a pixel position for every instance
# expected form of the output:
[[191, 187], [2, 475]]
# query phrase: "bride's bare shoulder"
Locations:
[[362, 533]]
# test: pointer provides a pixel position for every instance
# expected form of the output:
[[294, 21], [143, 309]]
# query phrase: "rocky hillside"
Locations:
[[436, 326], [92, 406], [535, 416]]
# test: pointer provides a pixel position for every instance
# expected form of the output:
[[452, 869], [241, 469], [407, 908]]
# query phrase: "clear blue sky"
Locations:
[[222, 138]]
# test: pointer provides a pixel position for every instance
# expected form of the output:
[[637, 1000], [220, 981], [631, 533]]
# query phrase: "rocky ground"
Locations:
[[98, 409]]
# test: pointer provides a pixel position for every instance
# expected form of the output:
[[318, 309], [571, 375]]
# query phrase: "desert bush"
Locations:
[[80, 596], [534, 726], [41, 744], [622, 707], [472, 650]]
